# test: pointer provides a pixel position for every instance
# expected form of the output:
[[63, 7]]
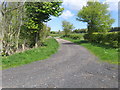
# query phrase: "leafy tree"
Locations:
[[45, 31], [22, 24], [67, 27], [97, 16], [39, 12]]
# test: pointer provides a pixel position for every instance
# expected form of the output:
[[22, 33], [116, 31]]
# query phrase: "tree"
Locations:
[[67, 27], [44, 32], [11, 14], [39, 12], [97, 17], [22, 24]]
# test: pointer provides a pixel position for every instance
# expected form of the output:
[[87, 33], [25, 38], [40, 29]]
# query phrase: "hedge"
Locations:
[[74, 36], [110, 39], [54, 35]]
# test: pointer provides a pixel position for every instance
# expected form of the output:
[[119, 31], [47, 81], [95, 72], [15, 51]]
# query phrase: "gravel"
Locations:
[[73, 66]]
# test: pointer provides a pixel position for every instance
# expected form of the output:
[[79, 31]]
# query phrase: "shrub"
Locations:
[[110, 39], [54, 35], [73, 36]]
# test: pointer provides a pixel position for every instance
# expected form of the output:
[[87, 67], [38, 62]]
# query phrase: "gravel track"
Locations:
[[73, 66]]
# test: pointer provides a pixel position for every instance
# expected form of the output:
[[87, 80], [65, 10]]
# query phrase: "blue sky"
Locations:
[[71, 8]]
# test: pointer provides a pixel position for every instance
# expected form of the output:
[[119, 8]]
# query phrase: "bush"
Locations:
[[110, 39], [54, 35], [80, 31], [73, 36]]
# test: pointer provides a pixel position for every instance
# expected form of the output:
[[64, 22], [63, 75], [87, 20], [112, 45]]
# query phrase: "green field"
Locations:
[[40, 53], [105, 54]]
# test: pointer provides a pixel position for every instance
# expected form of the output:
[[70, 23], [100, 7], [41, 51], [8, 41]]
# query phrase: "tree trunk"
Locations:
[[1, 32], [17, 40], [36, 39], [23, 45]]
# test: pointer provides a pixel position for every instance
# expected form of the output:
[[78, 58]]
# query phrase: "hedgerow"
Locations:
[[74, 36], [110, 39]]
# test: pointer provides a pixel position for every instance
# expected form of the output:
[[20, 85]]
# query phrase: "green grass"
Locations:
[[32, 55], [104, 53]]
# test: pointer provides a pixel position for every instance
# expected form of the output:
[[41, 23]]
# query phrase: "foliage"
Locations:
[[55, 35], [74, 36], [23, 24], [45, 31], [115, 29], [12, 15], [29, 56], [97, 16], [110, 39], [80, 31], [53, 32], [39, 12], [67, 27]]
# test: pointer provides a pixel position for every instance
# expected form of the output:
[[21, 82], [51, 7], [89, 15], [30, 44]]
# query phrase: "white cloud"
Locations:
[[74, 4], [113, 4], [78, 4], [67, 14], [112, 1]]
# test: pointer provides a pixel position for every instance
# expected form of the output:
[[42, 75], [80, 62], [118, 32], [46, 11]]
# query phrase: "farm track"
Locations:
[[73, 66]]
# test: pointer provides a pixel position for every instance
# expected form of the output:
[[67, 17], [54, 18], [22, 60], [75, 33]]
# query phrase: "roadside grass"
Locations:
[[40, 53], [104, 53]]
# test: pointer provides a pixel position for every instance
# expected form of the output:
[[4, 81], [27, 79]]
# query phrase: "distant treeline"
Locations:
[[115, 29], [80, 31]]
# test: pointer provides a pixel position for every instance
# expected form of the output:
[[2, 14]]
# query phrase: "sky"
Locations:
[[71, 8]]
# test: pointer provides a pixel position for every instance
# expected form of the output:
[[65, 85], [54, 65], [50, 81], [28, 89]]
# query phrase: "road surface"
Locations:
[[72, 66]]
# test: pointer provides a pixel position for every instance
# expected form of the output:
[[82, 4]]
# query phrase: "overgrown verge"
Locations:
[[104, 53], [40, 53]]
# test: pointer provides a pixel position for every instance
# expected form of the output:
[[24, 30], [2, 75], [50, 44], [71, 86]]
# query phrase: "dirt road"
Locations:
[[72, 66]]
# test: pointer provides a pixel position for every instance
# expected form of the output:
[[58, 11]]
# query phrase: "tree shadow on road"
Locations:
[[69, 43]]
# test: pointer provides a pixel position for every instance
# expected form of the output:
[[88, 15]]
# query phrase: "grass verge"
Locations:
[[32, 55], [105, 54]]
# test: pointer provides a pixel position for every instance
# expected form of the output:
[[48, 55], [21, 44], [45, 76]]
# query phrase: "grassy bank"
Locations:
[[40, 53], [104, 53]]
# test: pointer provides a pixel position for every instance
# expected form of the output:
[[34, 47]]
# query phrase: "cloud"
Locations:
[[78, 4], [74, 4], [67, 14], [113, 1], [113, 4]]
